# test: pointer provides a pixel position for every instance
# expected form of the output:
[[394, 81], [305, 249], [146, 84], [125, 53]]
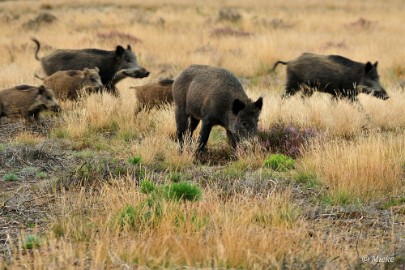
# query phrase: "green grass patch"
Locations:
[[42, 175], [339, 197], [60, 133], [135, 160], [32, 241], [148, 187], [279, 162], [183, 191], [175, 177], [10, 177], [308, 179], [30, 225], [127, 216], [393, 202]]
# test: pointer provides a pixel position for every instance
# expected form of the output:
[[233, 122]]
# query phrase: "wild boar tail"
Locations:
[[278, 62], [38, 48]]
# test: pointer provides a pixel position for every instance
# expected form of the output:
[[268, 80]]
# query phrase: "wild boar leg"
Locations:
[[204, 134], [231, 139], [181, 123], [193, 125]]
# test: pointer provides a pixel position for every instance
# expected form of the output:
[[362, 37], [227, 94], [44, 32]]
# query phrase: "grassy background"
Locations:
[[344, 199]]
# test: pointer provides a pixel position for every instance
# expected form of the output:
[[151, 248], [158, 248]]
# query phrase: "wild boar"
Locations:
[[154, 94], [27, 101], [333, 74], [108, 62], [68, 84], [214, 96]]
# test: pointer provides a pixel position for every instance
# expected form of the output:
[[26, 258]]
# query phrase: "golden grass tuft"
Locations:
[[363, 168]]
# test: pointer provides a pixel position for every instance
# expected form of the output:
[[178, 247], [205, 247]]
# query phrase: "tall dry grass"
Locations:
[[364, 168], [240, 233]]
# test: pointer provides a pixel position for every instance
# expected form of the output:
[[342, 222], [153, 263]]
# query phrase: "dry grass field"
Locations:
[[90, 188]]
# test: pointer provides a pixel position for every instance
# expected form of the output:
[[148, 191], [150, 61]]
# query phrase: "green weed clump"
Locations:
[[183, 191], [147, 187], [279, 162], [127, 216], [308, 179], [135, 160], [32, 241], [149, 212], [10, 177]]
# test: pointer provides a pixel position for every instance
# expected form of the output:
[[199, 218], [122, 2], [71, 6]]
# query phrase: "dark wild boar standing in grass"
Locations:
[[27, 101], [154, 94], [215, 97], [68, 84], [109, 63], [333, 74]]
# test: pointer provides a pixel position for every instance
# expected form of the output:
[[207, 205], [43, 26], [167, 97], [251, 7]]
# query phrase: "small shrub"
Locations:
[[10, 177], [32, 241], [135, 160], [182, 191], [279, 162], [127, 216], [287, 140], [147, 187]]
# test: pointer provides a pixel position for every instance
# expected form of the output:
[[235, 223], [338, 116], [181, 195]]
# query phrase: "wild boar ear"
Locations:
[[259, 103], [129, 47], [376, 64], [237, 106], [368, 67], [119, 50], [96, 68]]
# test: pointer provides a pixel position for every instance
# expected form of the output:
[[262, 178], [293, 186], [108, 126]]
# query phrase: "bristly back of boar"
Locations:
[[333, 74], [215, 97]]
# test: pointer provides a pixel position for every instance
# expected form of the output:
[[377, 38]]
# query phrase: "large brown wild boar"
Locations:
[[215, 97], [108, 62], [154, 94], [27, 101], [333, 74], [68, 84]]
